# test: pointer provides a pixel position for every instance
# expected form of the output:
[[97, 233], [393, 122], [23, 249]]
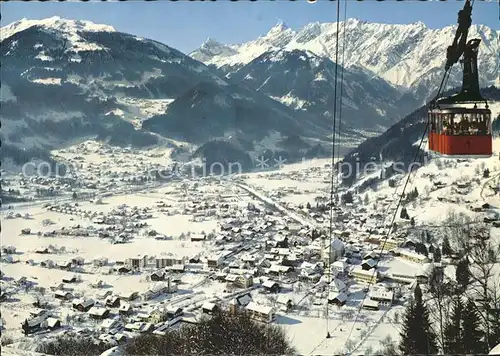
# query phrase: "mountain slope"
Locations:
[[304, 81], [410, 56], [64, 79], [209, 110]]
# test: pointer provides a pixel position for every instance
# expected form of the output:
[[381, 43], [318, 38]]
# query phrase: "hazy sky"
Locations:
[[185, 25]]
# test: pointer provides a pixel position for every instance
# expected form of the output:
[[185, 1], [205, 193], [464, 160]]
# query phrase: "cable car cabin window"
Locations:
[[432, 119], [448, 127]]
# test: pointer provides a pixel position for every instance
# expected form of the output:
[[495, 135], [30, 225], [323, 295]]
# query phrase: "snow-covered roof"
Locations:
[[370, 303], [259, 308], [283, 299], [208, 306], [360, 270], [411, 254], [269, 283], [342, 297], [97, 311], [337, 285], [381, 294]]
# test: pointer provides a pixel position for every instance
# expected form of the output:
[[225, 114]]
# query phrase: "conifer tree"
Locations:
[[472, 335], [428, 237], [453, 333], [446, 248], [462, 274], [408, 344], [417, 336], [437, 255], [25, 327]]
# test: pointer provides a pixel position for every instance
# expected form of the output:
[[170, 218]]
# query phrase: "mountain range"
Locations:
[[63, 80], [409, 57]]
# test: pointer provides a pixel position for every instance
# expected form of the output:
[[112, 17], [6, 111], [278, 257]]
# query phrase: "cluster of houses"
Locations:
[[255, 249]]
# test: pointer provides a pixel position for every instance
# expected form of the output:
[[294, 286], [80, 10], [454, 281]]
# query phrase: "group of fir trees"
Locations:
[[460, 332]]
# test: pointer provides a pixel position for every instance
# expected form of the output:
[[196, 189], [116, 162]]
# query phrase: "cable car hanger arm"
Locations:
[[455, 51], [469, 50]]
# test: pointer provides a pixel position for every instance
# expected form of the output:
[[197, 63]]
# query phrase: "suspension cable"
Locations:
[[418, 152], [388, 234], [333, 160], [341, 88]]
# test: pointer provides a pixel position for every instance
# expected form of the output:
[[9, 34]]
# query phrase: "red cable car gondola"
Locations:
[[458, 127]]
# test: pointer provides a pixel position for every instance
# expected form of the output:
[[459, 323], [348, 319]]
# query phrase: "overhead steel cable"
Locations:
[[333, 159]]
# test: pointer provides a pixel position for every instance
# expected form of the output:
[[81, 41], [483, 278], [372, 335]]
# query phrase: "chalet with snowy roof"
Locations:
[[51, 324], [372, 255], [382, 296], [422, 275], [370, 304], [179, 268], [260, 312], [63, 295], [83, 305], [113, 301], [108, 324], [174, 312], [214, 261], [139, 327], [77, 261], [33, 325], [210, 308], [244, 281], [132, 295], [125, 308], [285, 302], [337, 298], [48, 264], [102, 294], [98, 312], [159, 289], [279, 269], [337, 286], [271, 286], [157, 276], [243, 300], [250, 259]]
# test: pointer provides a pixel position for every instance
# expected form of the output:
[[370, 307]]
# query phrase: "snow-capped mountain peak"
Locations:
[[278, 36], [54, 23], [211, 48], [211, 42], [278, 28], [409, 56]]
